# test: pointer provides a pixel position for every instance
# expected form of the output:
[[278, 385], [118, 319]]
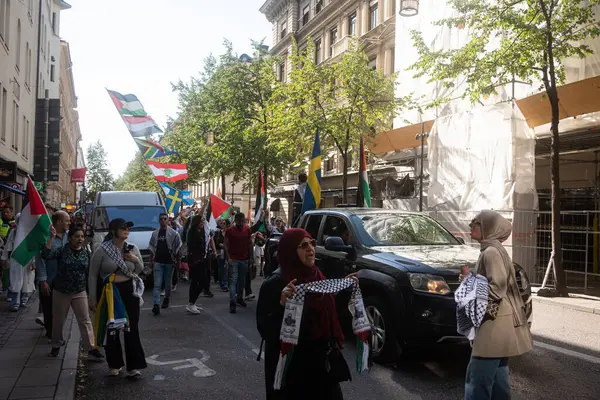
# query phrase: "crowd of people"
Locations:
[[106, 283]]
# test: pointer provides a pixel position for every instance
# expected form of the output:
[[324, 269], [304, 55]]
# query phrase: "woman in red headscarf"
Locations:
[[317, 366]]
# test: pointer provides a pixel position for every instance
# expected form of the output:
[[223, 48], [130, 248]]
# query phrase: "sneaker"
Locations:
[[242, 303], [15, 308], [232, 308], [250, 297], [165, 303], [174, 288], [209, 294], [134, 374], [95, 355], [156, 309], [225, 289], [114, 372], [39, 320], [193, 309], [162, 293], [54, 352]]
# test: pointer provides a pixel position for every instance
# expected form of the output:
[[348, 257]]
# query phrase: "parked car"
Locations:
[[408, 266]]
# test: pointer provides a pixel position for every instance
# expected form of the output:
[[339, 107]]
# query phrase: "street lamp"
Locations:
[[422, 136], [409, 8]]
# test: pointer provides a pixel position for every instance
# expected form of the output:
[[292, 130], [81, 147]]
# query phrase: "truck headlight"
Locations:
[[429, 283]]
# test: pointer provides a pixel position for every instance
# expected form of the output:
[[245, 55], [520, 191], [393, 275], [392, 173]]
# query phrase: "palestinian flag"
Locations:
[[217, 207], [151, 149], [138, 122], [363, 196], [260, 200], [33, 230]]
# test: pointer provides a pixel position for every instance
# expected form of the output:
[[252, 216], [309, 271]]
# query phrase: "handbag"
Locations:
[[336, 366], [492, 308]]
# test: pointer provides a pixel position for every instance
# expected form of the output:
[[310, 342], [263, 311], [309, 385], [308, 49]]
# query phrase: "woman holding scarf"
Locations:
[[504, 332], [113, 272], [199, 241], [312, 371]]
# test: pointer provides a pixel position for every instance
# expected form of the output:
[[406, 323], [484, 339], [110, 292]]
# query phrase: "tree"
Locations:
[[98, 178], [527, 40], [137, 177], [227, 118], [344, 100]]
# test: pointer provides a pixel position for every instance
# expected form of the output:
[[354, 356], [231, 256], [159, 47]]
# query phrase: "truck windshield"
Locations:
[[144, 218], [406, 230]]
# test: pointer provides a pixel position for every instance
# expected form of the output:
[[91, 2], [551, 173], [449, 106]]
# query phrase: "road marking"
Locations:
[[179, 306], [567, 352], [202, 370], [235, 332]]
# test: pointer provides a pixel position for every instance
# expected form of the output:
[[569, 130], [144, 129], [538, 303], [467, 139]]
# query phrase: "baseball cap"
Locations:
[[119, 223]]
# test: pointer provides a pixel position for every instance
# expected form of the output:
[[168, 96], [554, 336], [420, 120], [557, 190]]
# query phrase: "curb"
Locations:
[[65, 389], [586, 309]]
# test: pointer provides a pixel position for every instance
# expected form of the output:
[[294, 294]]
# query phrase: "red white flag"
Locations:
[[78, 175], [168, 172]]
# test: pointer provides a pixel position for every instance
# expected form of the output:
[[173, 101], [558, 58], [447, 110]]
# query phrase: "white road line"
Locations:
[[234, 332], [567, 352], [179, 306]]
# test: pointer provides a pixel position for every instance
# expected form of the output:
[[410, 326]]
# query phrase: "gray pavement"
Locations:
[[213, 355], [26, 370]]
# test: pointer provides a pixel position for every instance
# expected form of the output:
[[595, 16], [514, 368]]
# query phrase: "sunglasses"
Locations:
[[304, 245], [163, 218], [124, 227]]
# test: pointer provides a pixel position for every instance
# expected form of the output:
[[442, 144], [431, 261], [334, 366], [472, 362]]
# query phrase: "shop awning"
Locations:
[[577, 98], [399, 138]]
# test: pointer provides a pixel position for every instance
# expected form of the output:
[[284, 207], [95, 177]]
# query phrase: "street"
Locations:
[[213, 355]]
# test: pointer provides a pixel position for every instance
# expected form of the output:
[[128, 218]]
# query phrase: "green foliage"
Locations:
[[343, 98], [227, 118], [137, 177], [509, 39], [98, 177]]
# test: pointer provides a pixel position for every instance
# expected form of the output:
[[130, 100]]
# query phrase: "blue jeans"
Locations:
[[487, 379], [162, 272], [237, 279], [223, 272]]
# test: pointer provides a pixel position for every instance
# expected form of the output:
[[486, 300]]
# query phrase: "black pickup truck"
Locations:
[[408, 266]]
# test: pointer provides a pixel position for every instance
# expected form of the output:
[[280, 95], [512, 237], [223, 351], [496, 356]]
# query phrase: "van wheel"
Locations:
[[384, 345]]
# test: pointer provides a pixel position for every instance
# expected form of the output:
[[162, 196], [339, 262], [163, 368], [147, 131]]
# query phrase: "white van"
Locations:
[[141, 208]]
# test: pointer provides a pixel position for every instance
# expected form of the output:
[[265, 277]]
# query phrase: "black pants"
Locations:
[[248, 287], [199, 279], [46, 303], [209, 274], [175, 273], [134, 353]]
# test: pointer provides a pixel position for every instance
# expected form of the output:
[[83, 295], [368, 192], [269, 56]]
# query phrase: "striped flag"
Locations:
[[312, 194], [363, 196], [151, 149], [168, 172], [133, 114]]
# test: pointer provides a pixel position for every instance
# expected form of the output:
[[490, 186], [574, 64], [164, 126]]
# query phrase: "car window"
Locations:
[[336, 226], [405, 229], [313, 224]]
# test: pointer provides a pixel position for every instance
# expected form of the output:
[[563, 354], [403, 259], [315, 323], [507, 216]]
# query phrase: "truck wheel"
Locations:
[[384, 344]]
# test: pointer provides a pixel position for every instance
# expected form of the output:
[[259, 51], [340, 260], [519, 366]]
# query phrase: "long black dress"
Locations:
[[307, 377]]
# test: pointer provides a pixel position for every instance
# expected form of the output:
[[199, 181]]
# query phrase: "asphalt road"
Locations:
[[223, 349]]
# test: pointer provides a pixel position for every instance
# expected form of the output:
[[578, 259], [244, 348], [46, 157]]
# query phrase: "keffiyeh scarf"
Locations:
[[115, 254], [111, 315], [471, 304], [292, 320]]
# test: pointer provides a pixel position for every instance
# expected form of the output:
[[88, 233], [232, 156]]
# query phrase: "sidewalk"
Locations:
[[578, 302], [26, 370]]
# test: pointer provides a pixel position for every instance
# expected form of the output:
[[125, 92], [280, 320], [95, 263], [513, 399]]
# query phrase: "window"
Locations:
[[5, 20], [352, 24], [18, 50], [52, 73], [281, 71], [318, 52], [283, 29], [27, 66], [25, 135], [405, 230], [15, 142], [373, 63], [373, 17], [305, 15], [330, 164], [54, 23], [4, 105], [335, 226], [313, 224], [333, 37], [318, 6]]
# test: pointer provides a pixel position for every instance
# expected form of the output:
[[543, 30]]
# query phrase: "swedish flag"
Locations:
[[174, 198], [312, 195]]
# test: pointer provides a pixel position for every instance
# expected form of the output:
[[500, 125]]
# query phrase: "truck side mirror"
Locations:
[[335, 243]]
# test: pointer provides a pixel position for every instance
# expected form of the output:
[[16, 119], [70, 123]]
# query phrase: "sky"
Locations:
[[140, 47]]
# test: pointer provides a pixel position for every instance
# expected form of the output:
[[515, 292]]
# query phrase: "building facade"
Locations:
[[331, 25]]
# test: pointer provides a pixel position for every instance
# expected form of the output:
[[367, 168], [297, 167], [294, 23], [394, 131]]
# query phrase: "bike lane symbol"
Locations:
[[202, 370]]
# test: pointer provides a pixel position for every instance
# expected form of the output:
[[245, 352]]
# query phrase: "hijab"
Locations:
[[319, 309], [495, 229]]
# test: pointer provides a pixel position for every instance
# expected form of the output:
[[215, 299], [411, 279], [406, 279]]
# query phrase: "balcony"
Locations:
[[341, 46]]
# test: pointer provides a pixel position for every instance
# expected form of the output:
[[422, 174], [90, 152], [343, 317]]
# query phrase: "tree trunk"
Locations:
[[345, 178], [223, 187]]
